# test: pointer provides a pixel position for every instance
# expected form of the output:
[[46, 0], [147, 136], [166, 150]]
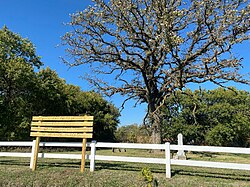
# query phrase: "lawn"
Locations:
[[64, 172]]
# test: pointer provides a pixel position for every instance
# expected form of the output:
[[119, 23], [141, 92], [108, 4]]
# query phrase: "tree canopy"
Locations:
[[148, 49]]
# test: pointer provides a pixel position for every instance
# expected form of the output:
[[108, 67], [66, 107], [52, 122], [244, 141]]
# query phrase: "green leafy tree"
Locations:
[[50, 94], [17, 78], [231, 115], [215, 117], [149, 49]]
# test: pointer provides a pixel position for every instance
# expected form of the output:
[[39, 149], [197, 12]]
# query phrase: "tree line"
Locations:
[[219, 117], [27, 89]]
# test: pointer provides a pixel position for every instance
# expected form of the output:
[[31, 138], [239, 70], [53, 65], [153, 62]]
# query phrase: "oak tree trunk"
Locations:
[[156, 128], [156, 134]]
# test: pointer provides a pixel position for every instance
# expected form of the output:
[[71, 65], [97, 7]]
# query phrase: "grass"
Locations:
[[65, 172]]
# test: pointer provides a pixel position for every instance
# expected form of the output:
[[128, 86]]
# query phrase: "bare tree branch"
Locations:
[[152, 48]]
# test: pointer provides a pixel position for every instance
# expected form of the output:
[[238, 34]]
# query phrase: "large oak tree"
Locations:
[[149, 49]]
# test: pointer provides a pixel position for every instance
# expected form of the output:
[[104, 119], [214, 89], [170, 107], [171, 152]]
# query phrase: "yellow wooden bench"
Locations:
[[62, 127]]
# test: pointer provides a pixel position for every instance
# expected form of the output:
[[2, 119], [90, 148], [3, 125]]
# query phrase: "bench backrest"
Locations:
[[62, 126]]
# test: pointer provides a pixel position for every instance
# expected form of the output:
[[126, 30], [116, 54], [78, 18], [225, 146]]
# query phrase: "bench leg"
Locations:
[[36, 153], [84, 141]]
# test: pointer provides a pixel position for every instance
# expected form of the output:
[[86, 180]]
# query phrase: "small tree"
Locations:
[[149, 49]]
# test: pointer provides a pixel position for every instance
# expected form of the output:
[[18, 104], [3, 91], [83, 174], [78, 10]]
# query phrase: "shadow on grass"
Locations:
[[128, 167], [118, 166], [76, 164], [14, 162], [211, 174]]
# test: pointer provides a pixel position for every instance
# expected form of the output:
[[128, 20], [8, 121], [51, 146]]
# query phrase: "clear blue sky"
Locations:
[[41, 21]]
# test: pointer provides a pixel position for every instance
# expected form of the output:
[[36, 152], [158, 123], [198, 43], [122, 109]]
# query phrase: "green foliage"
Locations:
[[106, 114], [220, 135], [149, 178], [215, 117], [25, 93], [17, 78], [50, 95], [14, 47], [235, 133]]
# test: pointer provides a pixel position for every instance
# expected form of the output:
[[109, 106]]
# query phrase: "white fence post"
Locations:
[[92, 155], [32, 153], [180, 154], [168, 160]]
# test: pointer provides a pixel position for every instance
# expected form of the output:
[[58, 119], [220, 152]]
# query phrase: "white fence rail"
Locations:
[[214, 149], [166, 161]]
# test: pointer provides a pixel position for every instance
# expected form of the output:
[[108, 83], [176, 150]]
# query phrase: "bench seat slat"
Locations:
[[68, 124], [65, 129], [62, 135], [62, 118]]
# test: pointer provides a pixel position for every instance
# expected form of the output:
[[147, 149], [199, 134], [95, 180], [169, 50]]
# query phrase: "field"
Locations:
[[64, 172]]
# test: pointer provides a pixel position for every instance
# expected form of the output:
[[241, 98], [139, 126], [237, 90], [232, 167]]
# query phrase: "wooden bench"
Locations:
[[61, 127]]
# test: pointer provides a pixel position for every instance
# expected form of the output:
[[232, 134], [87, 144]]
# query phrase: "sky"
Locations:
[[43, 23]]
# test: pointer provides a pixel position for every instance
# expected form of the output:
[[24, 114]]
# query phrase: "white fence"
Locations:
[[166, 161]]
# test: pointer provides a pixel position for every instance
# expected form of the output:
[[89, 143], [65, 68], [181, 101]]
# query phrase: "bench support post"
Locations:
[[84, 141], [36, 153]]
